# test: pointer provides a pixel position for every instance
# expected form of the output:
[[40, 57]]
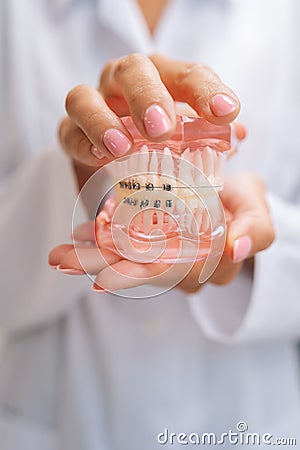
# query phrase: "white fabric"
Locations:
[[87, 371]]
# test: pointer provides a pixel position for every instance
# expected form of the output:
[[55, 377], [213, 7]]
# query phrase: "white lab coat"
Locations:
[[83, 371]]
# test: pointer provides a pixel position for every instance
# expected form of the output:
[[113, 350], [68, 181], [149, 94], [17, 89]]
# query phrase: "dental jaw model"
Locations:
[[165, 205]]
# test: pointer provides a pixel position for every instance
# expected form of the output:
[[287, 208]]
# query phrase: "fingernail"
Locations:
[[53, 266], [71, 271], [96, 152], [96, 288], [222, 105], [116, 142], [156, 121], [241, 248]]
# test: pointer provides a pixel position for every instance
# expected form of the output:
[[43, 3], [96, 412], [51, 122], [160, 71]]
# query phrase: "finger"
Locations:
[[250, 229], [127, 274], [88, 110], [56, 254], [226, 271], [136, 79], [87, 259], [77, 145], [85, 232], [200, 87]]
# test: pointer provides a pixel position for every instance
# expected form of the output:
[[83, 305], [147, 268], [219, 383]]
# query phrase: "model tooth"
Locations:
[[180, 205], [154, 180], [186, 155], [208, 161], [142, 164], [198, 160], [167, 168], [171, 223], [180, 210], [212, 180], [160, 219], [198, 170], [167, 163], [114, 169], [194, 227], [198, 219], [220, 158], [143, 159], [131, 162], [193, 202], [205, 221], [216, 159], [185, 170], [189, 218], [153, 168], [137, 221], [147, 220], [193, 205]]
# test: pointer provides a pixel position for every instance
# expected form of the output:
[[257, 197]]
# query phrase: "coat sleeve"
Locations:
[[36, 203], [267, 306]]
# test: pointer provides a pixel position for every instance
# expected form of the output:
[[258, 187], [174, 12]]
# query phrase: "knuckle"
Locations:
[[62, 131], [271, 235], [140, 92], [199, 82], [106, 71], [92, 121], [83, 145], [74, 95], [191, 70], [200, 97], [127, 62]]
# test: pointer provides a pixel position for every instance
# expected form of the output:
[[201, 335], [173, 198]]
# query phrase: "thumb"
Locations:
[[250, 229]]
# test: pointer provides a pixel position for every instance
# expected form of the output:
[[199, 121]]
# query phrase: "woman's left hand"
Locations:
[[249, 230]]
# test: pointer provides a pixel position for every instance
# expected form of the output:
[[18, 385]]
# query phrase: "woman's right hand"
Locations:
[[146, 88]]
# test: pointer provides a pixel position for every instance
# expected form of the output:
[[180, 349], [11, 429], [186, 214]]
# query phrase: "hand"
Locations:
[[249, 230], [146, 88]]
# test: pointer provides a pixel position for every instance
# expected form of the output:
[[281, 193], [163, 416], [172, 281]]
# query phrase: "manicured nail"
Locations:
[[97, 288], [96, 152], [156, 121], [116, 142], [53, 266], [222, 105], [71, 271], [241, 248]]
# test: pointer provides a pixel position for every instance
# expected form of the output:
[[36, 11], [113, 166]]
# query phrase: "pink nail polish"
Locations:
[[70, 271], [116, 142], [156, 121], [96, 288], [96, 152], [241, 248], [222, 105]]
